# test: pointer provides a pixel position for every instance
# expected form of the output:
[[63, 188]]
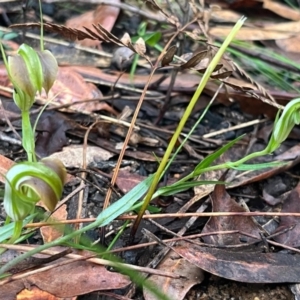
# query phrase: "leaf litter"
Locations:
[[258, 263]]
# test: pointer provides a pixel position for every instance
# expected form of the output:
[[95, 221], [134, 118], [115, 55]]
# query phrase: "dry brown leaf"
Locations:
[[222, 202], [225, 15], [52, 233], [291, 44], [187, 82], [255, 267], [72, 156], [222, 75], [289, 225], [282, 10], [5, 165], [105, 15], [126, 181], [140, 46], [36, 294], [126, 40], [70, 87], [194, 61], [168, 57], [273, 32], [191, 275], [69, 280]]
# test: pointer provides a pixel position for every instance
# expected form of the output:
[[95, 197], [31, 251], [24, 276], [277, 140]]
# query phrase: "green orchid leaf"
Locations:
[[8, 36], [254, 167], [153, 209], [208, 160], [181, 187], [152, 38], [125, 203], [142, 29]]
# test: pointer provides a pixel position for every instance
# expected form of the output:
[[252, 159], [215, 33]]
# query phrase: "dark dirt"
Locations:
[[220, 289]]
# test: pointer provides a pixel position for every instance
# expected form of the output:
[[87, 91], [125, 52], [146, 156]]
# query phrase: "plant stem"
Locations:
[[28, 136]]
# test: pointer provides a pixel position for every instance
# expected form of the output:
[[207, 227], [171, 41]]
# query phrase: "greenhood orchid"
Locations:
[[28, 182], [30, 71], [284, 124]]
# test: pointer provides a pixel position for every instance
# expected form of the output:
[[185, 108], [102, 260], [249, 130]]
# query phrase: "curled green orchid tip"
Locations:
[[30, 182], [284, 124]]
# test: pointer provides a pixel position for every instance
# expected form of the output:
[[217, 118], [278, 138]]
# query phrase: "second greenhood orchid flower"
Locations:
[[284, 124], [30, 71]]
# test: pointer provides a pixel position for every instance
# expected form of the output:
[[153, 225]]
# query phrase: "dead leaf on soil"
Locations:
[[290, 44], [53, 232], [222, 202], [187, 83], [72, 156], [5, 165], [168, 57], [51, 132], [70, 87], [250, 267], [268, 32], [106, 15], [191, 275], [291, 204], [225, 15], [126, 181], [290, 13], [194, 60], [36, 294], [76, 278]]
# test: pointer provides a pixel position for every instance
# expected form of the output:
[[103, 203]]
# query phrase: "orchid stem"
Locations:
[[28, 136]]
